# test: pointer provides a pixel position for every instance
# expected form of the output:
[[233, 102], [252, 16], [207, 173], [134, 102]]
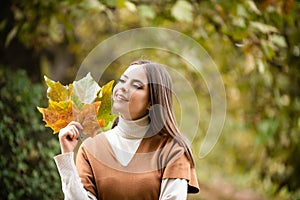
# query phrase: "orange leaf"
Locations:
[[57, 119], [101, 122], [83, 101], [87, 116]]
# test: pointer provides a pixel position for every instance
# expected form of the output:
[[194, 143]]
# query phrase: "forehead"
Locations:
[[136, 72]]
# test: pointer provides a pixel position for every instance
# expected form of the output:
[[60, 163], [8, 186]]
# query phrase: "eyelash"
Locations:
[[136, 86], [121, 80]]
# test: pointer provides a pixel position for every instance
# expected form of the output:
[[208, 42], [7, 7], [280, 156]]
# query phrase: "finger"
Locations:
[[67, 132], [75, 132], [72, 135], [77, 124]]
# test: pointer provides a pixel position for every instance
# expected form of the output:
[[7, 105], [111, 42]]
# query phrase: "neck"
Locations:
[[133, 128]]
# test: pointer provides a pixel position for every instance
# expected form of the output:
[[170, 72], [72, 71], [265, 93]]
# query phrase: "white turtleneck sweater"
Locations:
[[127, 137], [124, 140]]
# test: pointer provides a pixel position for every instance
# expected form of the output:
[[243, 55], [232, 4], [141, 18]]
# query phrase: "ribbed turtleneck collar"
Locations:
[[133, 129]]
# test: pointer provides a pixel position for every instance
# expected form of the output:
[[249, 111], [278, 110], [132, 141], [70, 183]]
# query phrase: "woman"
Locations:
[[143, 157]]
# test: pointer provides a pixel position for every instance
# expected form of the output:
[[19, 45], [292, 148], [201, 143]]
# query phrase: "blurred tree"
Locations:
[[26, 147], [266, 34], [256, 45]]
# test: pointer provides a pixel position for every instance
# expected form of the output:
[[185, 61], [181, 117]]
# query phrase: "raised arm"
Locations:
[[71, 183]]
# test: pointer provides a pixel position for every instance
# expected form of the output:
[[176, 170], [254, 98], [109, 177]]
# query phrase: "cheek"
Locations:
[[139, 100], [115, 90]]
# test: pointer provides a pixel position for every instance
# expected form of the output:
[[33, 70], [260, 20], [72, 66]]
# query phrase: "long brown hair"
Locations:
[[161, 98]]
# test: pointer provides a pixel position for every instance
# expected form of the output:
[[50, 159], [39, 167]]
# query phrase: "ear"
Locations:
[[149, 107]]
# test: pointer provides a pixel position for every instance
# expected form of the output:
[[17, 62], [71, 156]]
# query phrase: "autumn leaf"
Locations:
[[87, 117], [62, 105], [76, 101], [83, 101], [56, 91], [57, 115], [105, 114], [86, 89]]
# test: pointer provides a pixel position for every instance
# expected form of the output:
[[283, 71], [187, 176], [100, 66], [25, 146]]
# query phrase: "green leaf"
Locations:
[[11, 35], [55, 33], [239, 21], [147, 12], [278, 40], [105, 110], [268, 49], [266, 129], [241, 11], [130, 6], [182, 11], [115, 3], [261, 66], [253, 7], [76, 101], [93, 5], [264, 28], [56, 91], [86, 89], [111, 3]]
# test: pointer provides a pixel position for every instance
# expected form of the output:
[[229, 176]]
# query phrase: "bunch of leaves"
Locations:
[[83, 101]]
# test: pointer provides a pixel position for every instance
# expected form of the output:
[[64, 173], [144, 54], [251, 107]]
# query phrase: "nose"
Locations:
[[124, 87]]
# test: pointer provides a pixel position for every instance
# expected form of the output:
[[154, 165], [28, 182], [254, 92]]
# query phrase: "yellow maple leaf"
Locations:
[[56, 91], [83, 101], [57, 119]]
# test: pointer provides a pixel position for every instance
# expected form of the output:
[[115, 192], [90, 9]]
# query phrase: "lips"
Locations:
[[119, 97]]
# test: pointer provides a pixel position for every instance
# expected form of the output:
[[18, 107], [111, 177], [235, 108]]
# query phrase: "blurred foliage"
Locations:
[[27, 168], [255, 44], [268, 82]]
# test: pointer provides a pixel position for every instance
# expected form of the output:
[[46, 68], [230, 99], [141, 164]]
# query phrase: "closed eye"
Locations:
[[121, 80], [138, 86]]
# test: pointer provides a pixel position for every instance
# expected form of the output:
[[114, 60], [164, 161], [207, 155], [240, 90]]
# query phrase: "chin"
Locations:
[[118, 110]]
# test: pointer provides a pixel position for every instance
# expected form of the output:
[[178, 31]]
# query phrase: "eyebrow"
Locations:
[[135, 80]]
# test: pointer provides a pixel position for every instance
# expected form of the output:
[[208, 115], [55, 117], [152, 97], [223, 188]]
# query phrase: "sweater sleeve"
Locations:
[[71, 184], [173, 189], [179, 167]]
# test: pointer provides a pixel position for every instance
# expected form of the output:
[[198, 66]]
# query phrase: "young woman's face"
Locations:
[[130, 95]]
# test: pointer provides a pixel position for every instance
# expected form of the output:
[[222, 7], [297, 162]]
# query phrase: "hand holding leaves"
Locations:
[[83, 101]]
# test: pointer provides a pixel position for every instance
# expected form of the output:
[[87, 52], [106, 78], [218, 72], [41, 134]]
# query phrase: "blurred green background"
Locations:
[[254, 43]]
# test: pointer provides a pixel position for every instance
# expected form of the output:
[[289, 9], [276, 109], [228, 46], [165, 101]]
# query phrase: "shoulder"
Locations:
[[166, 146], [159, 142], [170, 146]]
